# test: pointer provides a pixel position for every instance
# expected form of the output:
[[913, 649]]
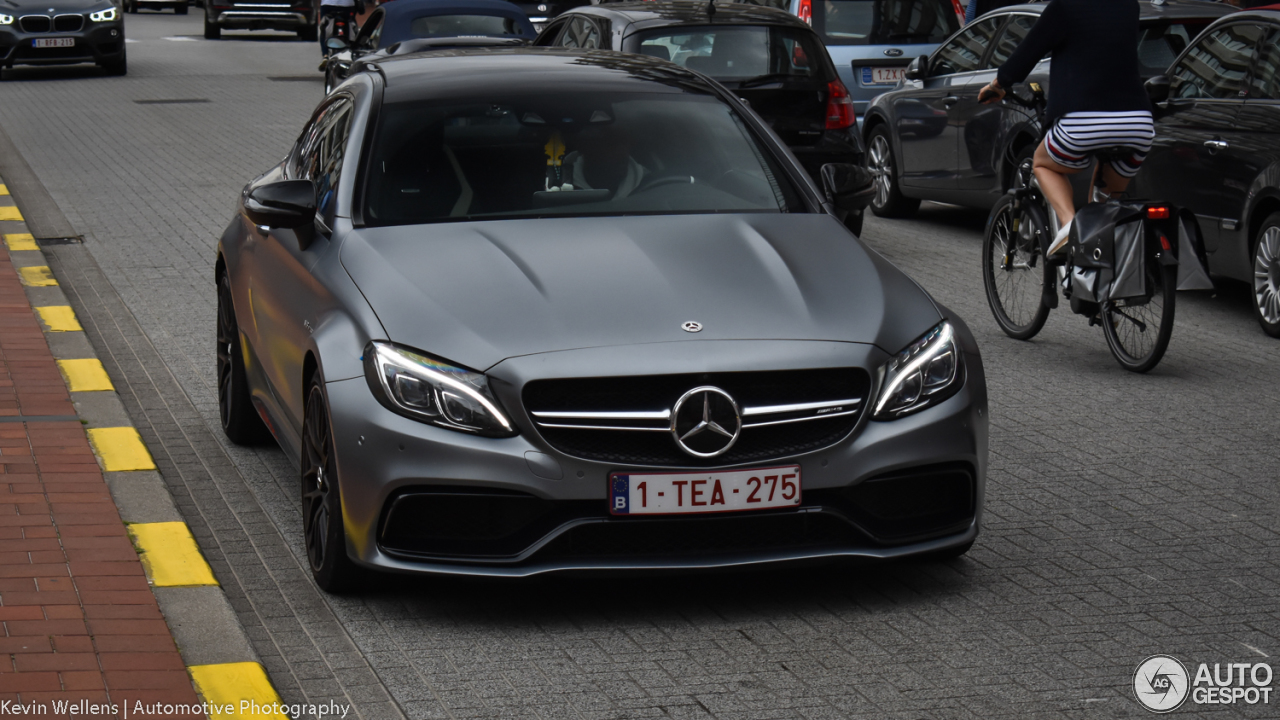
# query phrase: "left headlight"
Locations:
[[103, 15], [6, 19], [428, 390], [921, 375]]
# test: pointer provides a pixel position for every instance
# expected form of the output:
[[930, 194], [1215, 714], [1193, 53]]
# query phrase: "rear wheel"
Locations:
[[1138, 330], [240, 420], [1266, 275], [324, 534], [1016, 275], [211, 29], [181, 8], [308, 33], [889, 200]]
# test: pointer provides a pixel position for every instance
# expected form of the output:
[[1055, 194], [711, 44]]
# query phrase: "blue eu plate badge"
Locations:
[[621, 494]]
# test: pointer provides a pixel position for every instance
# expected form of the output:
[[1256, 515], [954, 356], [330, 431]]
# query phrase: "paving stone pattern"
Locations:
[[1126, 515]]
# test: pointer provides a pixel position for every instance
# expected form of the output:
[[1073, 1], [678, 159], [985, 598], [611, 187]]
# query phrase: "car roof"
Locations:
[[690, 12], [460, 72], [1171, 9]]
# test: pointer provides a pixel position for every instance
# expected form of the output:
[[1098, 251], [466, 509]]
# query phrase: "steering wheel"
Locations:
[[666, 180]]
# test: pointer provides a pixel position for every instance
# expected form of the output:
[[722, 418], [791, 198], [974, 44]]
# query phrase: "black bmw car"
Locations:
[[768, 57], [930, 138], [62, 32]]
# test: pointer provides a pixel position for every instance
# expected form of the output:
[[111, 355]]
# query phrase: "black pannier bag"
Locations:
[[1108, 240]]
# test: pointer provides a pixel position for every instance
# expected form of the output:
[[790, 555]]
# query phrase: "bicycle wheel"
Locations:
[[1014, 271], [1138, 330]]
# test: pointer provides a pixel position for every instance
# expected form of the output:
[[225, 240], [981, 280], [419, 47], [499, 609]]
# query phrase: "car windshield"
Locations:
[[884, 22], [462, 26], [568, 154], [739, 52], [1160, 43]]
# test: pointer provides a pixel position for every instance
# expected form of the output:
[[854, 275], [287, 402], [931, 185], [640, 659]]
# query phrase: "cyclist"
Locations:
[[335, 10], [1096, 98]]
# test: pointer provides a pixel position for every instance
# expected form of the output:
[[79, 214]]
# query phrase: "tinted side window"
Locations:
[[1159, 44], [1014, 32], [881, 22], [1265, 83], [1215, 68], [964, 52], [581, 33], [323, 157]]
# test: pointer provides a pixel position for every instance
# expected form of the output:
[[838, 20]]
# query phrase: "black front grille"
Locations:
[[68, 23], [660, 392], [35, 23]]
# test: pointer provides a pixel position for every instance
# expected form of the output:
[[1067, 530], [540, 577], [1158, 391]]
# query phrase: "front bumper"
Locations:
[[382, 457], [96, 43]]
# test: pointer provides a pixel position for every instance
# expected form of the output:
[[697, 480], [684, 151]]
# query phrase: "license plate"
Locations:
[[882, 75], [704, 492], [54, 42]]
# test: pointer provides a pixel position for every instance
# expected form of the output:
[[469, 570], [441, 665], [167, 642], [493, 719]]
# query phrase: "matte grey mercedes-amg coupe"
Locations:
[[516, 311]]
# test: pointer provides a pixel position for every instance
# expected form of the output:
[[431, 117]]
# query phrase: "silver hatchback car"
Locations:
[[516, 311]]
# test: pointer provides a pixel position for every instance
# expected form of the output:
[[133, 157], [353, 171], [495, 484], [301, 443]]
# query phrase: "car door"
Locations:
[[1199, 154], [981, 142], [286, 299], [925, 119]]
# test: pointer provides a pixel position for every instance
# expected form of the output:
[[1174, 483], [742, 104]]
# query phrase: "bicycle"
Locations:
[[1022, 282], [337, 22]]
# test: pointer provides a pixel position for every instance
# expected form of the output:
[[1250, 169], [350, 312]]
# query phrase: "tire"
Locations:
[[889, 200], [853, 221], [131, 7], [1138, 333], [1266, 275], [211, 29], [240, 420], [117, 67], [324, 535], [1015, 273], [180, 8], [309, 33]]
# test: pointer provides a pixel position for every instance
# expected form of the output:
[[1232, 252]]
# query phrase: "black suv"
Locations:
[[767, 57]]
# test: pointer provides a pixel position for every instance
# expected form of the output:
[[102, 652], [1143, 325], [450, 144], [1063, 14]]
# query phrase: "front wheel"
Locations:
[[1138, 330], [888, 200], [322, 526], [309, 33], [1266, 275], [212, 31], [1016, 275]]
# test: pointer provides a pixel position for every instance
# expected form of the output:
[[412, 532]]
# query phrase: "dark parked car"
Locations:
[[930, 139], [766, 56], [133, 6], [687, 363], [405, 26], [62, 32], [296, 15], [1217, 150]]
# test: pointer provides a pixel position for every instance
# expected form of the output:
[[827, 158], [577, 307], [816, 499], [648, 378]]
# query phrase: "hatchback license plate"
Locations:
[[882, 75], [704, 492], [54, 42]]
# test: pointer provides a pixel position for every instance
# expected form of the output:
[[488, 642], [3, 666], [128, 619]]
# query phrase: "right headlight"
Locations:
[[425, 389], [923, 374], [6, 19]]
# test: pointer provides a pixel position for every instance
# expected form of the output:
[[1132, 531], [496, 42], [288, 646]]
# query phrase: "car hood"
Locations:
[[42, 7], [477, 293]]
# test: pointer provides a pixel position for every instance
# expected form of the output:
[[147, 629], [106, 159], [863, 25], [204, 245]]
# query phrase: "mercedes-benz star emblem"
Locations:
[[692, 326], [706, 422]]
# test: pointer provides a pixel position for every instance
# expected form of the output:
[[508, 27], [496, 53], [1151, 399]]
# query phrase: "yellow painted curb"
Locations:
[[120, 448], [38, 276], [85, 375], [59, 318], [169, 555], [4, 189], [10, 212], [20, 241], [241, 685]]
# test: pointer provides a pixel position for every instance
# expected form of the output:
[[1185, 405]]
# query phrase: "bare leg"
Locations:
[[1055, 185], [1113, 182]]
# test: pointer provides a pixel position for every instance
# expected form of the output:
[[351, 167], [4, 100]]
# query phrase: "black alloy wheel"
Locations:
[[323, 531], [1017, 277], [240, 420], [888, 200], [1266, 275]]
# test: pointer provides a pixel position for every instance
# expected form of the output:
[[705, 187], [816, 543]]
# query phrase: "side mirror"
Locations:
[[917, 69], [282, 204], [336, 43], [1158, 88], [848, 188]]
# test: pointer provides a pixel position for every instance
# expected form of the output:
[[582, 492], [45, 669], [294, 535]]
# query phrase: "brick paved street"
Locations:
[[1126, 515]]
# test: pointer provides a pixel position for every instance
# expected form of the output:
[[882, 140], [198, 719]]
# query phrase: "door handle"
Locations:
[[1215, 145], [950, 100]]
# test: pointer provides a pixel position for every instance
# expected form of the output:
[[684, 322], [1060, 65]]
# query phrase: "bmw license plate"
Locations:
[[704, 492], [882, 75], [54, 42]]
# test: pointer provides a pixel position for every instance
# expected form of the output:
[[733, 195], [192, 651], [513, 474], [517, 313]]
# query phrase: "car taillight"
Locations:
[[805, 12], [839, 107], [1158, 212]]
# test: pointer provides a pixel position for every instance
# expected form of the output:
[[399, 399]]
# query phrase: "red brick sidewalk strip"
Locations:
[[78, 621]]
